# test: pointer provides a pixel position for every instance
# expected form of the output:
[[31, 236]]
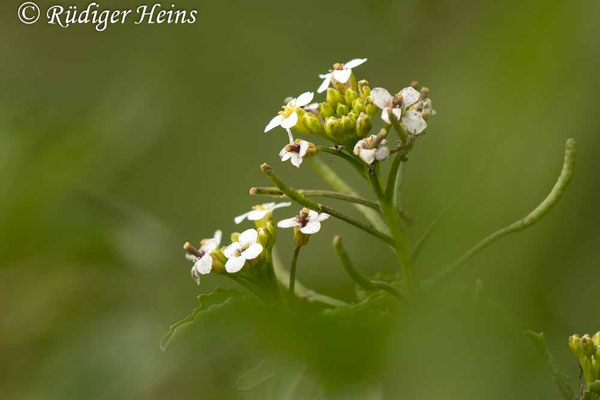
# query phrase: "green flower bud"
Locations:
[[300, 127], [364, 124], [364, 90], [596, 338], [358, 105], [313, 123], [350, 96], [333, 127], [342, 109], [594, 387], [326, 110], [235, 236], [588, 347], [372, 109], [575, 344], [334, 97], [347, 124]]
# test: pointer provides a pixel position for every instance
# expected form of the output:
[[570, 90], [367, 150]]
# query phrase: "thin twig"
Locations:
[[292, 284], [534, 216], [338, 151], [306, 202], [273, 191], [358, 277]]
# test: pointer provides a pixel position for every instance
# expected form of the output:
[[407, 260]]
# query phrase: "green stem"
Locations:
[[358, 277], [292, 284], [534, 216], [273, 191], [390, 189], [359, 166], [299, 198], [393, 220], [283, 276], [336, 182]]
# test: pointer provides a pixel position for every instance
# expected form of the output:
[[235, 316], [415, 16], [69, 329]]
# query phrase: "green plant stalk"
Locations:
[[392, 218], [292, 285], [310, 204], [534, 216], [359, 166], [275, 192], [336, 182], [358, 277]]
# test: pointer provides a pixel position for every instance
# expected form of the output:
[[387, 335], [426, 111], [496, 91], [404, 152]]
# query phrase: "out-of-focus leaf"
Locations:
[[257, 375], [560, 378], [210, 302]]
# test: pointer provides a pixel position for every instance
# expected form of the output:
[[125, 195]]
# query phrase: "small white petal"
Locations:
[[209, 246], [288, 223], [342, 75], [253, 251], [413, 123], [217, 237], [385, 116], [290, 121], [325, 84], [234, 264], [248, 237], [381, 97], [367, 155], [304, 99], [322, 217], [313, 215], [313, 107], [311, 227], [240, 218], [256, 215], [304, 145], [361, 144], [274, 123], [409, 96], [232, 250], [354, 63], [296, 160], [382, 153], [190, 257], [204, 265], [285, 155], [280, 205]]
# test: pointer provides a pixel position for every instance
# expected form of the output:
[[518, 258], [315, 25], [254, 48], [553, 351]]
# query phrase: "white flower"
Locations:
[[308, 221], [295, 152], [246, 248], [405, 110], [365, 150], [203, 261], [288, 118], [259, 212], [340, 73]]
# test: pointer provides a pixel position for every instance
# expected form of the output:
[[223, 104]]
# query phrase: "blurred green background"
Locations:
[[116, 147]]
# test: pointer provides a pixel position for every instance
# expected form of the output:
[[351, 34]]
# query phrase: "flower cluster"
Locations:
[[587, 350], [347, 116]]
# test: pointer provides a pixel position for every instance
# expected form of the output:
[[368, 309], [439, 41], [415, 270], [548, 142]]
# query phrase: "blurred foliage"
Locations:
[[116, 147]]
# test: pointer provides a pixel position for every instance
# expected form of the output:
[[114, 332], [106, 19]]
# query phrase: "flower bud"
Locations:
[[596, 338], [575, 344], [358, 105], [363, 89], [588, 347], [334, 97], [371, 108], [326, 110], [347, 124], [342, 109], [313, 124], [350, 96], [333, 127], [235, 236], [364, 123]]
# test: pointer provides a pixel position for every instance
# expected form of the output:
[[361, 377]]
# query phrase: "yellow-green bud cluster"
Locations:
[[347, 113], [587, 350]]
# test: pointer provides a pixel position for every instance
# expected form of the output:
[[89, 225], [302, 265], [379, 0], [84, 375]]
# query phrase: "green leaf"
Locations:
[[207, 303], [560, 378], [257, 375]]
